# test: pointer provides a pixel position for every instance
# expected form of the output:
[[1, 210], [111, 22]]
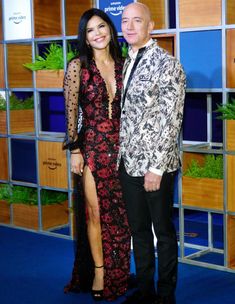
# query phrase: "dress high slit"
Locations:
[[99, 144]]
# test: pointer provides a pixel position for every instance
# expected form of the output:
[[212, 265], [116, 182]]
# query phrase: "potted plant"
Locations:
[[227, 112], [202, 182], [49, 66], [54, 208], [5, 192], [21, 114]]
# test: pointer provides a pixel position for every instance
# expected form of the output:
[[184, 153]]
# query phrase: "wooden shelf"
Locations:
[[74, 11], [55, 215], [230, 58], [52, 215], [3, 159], [197, 13], [49, 79], [47, 18], [52, 165], [18, 75], [231, 241], [167, 42], [5, 215], [2, 80], [1, 30], [231, 182], [230, 130], [202, 192], [21, 121], [157, 9], [230, 12]]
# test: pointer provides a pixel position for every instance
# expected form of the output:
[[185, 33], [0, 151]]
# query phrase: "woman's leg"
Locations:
[[94, 227]]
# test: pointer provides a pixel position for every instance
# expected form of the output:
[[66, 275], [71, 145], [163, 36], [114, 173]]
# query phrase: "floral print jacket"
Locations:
[[152, 113]]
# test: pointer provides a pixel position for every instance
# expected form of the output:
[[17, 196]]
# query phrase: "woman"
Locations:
[[93, 84]]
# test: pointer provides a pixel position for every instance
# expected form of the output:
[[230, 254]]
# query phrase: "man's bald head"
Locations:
[[141, 6], [137, 24]]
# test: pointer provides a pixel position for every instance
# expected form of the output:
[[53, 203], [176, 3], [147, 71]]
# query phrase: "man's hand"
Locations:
[[152, 181]]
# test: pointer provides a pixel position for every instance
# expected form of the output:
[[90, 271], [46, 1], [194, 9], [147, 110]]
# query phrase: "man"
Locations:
[[152, 111]]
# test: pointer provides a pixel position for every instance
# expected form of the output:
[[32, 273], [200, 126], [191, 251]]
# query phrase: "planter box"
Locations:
[[202, 192], [21, 121], [231, 182], [49, 79], [5, 212], [52, 215], [3, 122], [230, 130]]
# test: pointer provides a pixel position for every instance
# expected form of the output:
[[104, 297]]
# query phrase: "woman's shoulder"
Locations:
[[75, 62]]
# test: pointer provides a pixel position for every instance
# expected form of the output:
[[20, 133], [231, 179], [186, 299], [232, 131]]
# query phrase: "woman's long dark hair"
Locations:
[[84, 51]]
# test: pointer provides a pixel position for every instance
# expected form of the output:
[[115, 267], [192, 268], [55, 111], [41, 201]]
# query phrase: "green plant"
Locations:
[[227, 110], [17, 103], [212, 168], [124, 49], [49, 197], [5, 192], [51, 59], [26, 195]]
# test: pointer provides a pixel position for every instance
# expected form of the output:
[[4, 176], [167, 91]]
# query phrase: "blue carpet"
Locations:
[[35, 267]]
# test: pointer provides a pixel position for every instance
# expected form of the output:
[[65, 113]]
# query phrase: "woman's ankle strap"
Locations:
[[102, 266]]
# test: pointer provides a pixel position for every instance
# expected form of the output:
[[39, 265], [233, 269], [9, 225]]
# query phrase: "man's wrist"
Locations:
[[156, 171]]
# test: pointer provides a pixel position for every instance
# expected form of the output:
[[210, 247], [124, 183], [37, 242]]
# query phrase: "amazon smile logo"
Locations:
[[51, 163], [115, 8], [17, 18]]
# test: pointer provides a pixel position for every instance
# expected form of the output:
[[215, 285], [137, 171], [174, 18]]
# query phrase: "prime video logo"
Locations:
[[115, 8], [17, 18]]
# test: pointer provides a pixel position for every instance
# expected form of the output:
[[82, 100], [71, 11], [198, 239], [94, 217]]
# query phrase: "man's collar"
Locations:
[[133, 55]]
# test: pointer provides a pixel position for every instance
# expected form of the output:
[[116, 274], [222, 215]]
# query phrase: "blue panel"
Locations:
[[217, 124], [114, 10], [52, 112], [172, 20], [23, 160], [195, 117], [23, 95], [201, 56]]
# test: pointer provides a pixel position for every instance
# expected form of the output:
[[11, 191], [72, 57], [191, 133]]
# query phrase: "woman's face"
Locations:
[[98, 33]]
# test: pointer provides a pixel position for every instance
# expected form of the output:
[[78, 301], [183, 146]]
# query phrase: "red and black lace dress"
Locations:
[[99, 145]]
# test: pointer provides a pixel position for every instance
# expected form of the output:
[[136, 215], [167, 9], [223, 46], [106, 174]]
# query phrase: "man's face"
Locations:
[[136, 25]]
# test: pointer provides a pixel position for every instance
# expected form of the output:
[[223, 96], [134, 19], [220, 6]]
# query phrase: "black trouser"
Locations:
[[143, 210]]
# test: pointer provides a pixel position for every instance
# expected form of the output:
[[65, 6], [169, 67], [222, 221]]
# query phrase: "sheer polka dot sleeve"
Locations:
[[71, 92]]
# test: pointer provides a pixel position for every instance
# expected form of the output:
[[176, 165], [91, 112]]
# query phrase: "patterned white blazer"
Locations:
[[152, 113]]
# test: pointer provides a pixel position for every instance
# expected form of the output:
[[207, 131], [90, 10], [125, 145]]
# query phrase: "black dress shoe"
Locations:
[[138, 298], [165, 299]]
